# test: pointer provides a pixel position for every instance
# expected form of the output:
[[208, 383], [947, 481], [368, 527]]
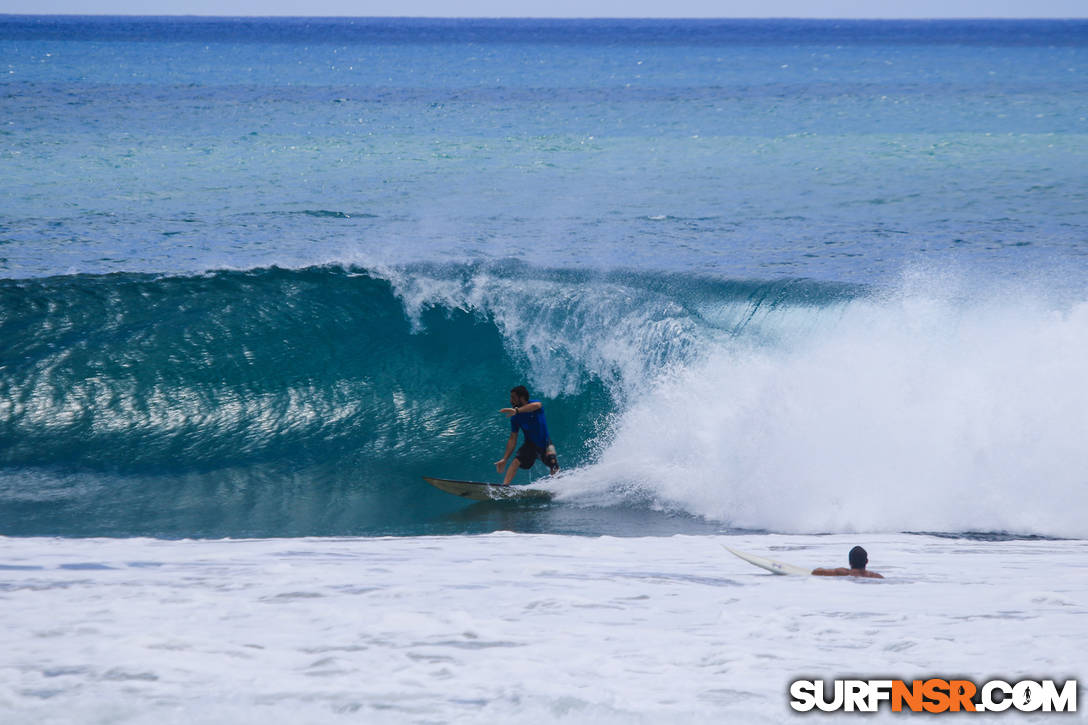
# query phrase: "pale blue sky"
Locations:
[[569, 8]]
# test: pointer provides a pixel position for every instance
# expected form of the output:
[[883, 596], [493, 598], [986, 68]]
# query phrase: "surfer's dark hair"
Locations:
[[521, 391], [858, 558]]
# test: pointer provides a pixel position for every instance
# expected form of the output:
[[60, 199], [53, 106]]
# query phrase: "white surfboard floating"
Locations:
[[488, 491], [771, 565]]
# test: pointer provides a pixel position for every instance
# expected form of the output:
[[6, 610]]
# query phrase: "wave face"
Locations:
[[294, 402]]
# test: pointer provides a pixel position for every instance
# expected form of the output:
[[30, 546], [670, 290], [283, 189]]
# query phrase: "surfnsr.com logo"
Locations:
[[933, 695]]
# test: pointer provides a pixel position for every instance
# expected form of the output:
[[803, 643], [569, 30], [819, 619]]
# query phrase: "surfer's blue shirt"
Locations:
[[534, 425]]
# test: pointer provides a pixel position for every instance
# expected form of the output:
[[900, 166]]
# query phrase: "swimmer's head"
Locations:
[[858, 558]]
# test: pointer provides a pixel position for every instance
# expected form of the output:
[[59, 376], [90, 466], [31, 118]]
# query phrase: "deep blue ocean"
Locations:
[[258, 276]]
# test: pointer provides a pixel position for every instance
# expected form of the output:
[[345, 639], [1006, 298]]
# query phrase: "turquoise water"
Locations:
[[259, 276]]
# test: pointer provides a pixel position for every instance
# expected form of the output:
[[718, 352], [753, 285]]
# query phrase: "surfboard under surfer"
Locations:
[[526, 416], [859, 559]]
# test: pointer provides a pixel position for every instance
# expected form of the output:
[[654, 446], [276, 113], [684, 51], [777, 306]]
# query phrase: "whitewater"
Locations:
[[540, 628], [783, 286]]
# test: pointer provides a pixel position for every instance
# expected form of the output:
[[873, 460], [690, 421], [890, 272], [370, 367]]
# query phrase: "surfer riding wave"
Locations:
[[528, 417]]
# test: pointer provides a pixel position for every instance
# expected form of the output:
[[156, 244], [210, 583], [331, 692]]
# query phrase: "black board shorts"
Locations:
[[530, 452]]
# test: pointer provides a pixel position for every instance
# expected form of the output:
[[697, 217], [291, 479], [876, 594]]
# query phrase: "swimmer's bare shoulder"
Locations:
[[843, 571]]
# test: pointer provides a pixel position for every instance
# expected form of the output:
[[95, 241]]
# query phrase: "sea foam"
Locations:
[[908, 411]]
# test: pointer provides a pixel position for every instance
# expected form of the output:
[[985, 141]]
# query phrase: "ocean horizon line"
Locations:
[[635, 18], [323, 29]]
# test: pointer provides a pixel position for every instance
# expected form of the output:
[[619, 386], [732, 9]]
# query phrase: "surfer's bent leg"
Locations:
[[511, 469], [526, 457]]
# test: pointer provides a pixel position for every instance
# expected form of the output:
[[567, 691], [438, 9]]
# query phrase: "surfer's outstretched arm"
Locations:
[[527, 408]]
